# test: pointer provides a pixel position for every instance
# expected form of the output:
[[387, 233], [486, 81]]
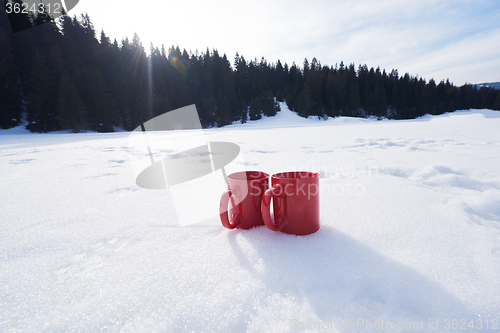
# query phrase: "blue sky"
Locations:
[[439, 39]]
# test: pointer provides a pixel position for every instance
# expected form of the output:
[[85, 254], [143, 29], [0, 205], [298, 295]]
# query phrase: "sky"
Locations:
[[433, 39]]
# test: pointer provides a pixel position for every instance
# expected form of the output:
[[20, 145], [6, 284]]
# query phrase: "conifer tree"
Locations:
[[71, 110], [254, 109], [10, 91], [496, 106], [379, 100], [99, 102], [431, 89], [41, 115], [295, 83], [279, 81], [305, 102], [269, 106], [330, 107], [340, 94], [353, 101]]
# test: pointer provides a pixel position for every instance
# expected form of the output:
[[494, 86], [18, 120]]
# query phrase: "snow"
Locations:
[[409, 238]]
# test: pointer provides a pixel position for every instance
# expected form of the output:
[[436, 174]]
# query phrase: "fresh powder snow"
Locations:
[[409, 238]]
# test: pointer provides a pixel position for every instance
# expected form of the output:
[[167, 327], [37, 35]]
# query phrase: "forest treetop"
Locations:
[[62, 77]]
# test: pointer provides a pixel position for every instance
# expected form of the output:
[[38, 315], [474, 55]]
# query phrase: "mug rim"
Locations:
[[296, 175], [245, 176]]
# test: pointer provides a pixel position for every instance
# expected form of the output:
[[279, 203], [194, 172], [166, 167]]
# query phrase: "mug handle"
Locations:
[[265, 209], [224, 211]]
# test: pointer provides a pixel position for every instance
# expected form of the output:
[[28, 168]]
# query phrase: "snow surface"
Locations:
[[409, 238]]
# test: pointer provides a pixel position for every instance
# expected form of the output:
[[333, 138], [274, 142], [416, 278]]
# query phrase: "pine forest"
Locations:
[[63, 75]]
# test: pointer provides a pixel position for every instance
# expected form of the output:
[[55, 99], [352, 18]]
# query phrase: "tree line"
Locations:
[[59, 75]]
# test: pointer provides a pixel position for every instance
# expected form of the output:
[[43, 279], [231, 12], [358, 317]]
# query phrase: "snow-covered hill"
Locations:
[[409, 238], [494, 85]]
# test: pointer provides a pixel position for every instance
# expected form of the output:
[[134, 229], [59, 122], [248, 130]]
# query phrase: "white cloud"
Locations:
[[474, 59]]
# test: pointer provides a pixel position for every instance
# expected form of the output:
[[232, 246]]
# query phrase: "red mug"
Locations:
[[245, 191], [295, 202]]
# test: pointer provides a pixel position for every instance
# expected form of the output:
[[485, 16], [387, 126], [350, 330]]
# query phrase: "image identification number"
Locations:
[[40, 8], [472, 324]]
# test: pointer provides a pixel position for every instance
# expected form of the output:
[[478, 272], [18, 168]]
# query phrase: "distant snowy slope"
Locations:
[[287, 118], [409, 238], [494, 85]]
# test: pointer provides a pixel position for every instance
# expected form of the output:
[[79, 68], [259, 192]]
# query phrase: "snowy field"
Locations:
[[409, 238]]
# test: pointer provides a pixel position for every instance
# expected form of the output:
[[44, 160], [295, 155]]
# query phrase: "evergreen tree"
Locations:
[[339, 94], [99, 102], [10, 91], [279, 81], [22, 47], [269, 106], [254, 109], [486, 97], [305, 68], [305, 102], [330, 107], [242, 84], [295, 83], [71, 110], [496, 106], [131, 83], [379, 101], [430, 108], [353, 101], [41, 114]]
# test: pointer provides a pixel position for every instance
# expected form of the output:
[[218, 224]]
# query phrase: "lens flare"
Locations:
[[180, 64]]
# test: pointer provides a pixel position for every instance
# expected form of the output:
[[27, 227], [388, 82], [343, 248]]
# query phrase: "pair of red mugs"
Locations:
[[295, 195]]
